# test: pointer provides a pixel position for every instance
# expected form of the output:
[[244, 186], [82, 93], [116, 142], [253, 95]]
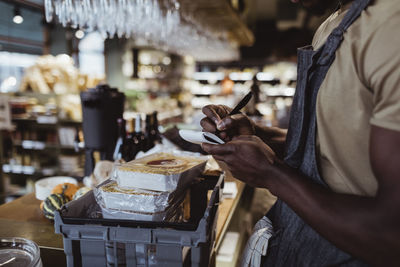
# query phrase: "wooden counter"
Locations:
[[23, 218], [226, 210]]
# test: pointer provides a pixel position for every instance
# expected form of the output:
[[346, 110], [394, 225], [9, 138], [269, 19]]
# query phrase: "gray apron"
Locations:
[[295, 243]]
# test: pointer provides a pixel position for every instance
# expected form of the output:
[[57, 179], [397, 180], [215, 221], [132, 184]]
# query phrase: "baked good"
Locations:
[[159, 172]]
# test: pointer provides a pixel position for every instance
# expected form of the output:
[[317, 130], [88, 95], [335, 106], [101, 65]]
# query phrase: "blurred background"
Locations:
[[172, 57]]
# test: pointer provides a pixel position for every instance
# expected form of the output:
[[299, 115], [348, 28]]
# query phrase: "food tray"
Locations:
[[171, 215], [110, 196], [159, 172]]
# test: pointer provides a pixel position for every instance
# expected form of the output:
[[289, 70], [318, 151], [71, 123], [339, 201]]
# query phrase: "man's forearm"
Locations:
[[273, 137], [362, 226]]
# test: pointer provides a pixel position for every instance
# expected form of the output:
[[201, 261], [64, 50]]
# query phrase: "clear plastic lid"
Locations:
[[18, 252]]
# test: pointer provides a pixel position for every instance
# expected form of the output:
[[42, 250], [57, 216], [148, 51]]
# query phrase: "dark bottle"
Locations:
[[139, 142], [149, 136], [76, 140], [130, 145], [155, 131], [120, 146]]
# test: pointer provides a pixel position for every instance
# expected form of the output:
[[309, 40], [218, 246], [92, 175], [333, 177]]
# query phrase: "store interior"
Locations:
[[168, 58]]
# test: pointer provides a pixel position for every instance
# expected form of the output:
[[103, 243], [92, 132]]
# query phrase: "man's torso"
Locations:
[[349, 98]]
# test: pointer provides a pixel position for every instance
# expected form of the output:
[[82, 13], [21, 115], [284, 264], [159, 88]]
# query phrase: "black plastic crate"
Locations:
[[106, 242]]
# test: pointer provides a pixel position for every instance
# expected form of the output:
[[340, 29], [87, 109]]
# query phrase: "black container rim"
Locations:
[[186, 226], [182, 226]]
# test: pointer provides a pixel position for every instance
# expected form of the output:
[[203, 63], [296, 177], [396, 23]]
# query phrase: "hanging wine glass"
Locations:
[[160, 23], [49, 10]]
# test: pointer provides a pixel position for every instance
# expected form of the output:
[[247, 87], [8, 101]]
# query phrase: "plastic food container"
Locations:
[[18, 252], [171, 215], [44, 186], [159, 172], [111, 196]]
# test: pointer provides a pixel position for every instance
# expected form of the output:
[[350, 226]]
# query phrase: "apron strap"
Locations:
[[302, 115], [336, 37]]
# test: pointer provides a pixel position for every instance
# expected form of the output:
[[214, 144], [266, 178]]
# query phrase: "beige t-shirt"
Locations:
[[362, 87]]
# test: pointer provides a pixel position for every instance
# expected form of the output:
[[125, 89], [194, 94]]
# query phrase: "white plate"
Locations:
[[44, 186]]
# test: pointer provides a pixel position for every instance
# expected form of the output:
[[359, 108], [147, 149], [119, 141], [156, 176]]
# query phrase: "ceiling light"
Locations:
[[17, 19], [79, 34]]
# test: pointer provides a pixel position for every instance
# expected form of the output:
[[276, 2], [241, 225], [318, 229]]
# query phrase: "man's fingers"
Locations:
[[224, 136], [230, 122], [218, 149], [211, 112], [208, 125]]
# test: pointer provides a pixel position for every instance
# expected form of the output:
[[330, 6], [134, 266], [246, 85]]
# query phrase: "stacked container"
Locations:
[[150, 188], [90, 241]]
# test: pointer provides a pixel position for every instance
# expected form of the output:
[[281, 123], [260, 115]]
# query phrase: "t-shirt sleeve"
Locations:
[[382, 73]]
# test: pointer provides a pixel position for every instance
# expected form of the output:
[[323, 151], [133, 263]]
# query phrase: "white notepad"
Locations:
[[197, 137]]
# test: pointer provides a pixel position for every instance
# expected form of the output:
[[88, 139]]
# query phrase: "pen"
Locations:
[[242, 103], [239, 106]]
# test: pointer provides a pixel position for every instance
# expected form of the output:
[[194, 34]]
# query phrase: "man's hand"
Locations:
[[218, 119], [247, 157]]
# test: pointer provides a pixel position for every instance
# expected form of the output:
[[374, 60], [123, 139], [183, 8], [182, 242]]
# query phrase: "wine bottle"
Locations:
[[76, 140], [149, 136], [155, 131], [121, 141], [138, 137], [130, 144]]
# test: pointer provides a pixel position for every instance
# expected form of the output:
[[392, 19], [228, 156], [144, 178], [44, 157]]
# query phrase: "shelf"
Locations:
[[19, 169], [40, 146], [42, 95], [28, 170], [219, 76], [279, 91], [42, 140], [46, 120], [33, 171]]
